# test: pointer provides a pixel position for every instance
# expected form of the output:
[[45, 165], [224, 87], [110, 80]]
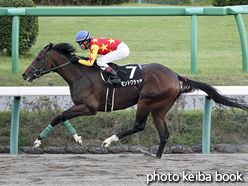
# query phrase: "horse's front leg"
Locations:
[[80, 110]]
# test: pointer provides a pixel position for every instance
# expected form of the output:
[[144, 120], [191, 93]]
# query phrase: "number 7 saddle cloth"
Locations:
[[129, 74]]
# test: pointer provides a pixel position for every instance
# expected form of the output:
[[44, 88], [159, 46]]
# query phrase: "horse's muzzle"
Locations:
[[29, 77], [24, 76]]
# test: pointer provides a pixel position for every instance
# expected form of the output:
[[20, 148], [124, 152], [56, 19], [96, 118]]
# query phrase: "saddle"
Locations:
[[129, 74]]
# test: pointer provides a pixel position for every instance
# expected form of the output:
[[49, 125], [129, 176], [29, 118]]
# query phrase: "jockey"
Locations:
[[111, 49]]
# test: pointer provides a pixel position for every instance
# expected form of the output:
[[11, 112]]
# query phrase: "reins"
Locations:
[[39, 70]]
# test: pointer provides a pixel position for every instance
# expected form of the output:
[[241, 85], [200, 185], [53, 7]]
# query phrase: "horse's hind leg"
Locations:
[[139, 125], [158, 116]]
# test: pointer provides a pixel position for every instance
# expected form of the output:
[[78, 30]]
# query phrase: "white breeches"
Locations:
[[121, 52]]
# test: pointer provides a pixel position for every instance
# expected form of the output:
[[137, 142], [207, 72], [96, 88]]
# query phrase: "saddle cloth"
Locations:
[[129, 74]]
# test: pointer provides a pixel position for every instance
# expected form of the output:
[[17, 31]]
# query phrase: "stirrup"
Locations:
[[115, 81]]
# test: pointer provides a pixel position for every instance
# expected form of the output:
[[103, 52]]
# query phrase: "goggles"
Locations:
[[81, 42]]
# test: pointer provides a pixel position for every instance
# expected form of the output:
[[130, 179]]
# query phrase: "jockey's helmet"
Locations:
[[82, 36]]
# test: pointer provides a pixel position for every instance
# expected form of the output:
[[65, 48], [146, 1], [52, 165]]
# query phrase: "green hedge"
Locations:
[[229, 2], [28, 27], [228, 126], [166, 2], [79, 2]]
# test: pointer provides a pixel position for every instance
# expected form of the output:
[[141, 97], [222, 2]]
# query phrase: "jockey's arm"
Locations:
[[92, 56]]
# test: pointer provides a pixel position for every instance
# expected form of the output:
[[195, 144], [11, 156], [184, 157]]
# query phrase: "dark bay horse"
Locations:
[[156, 94]]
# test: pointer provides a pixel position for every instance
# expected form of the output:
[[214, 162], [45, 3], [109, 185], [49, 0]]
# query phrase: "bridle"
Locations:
[[39, 71]]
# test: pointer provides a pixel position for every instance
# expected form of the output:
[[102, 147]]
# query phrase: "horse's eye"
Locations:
[[37, 59]]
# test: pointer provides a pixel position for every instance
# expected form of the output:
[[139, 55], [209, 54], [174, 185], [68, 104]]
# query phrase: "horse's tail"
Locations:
[[190, 86]]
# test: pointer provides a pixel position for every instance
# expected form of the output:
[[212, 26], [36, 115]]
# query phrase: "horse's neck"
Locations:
[[67, 72], [73, 73]]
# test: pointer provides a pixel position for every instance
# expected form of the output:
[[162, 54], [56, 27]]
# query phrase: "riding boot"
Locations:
[[113, 77]]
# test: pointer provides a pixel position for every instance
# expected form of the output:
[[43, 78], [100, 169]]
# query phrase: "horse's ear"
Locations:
[[50, 46]]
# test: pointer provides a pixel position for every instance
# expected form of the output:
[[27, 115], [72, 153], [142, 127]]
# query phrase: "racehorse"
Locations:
[[157, 93]]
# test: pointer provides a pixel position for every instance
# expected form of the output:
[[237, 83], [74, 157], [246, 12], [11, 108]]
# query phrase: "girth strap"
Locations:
[[109, 106]]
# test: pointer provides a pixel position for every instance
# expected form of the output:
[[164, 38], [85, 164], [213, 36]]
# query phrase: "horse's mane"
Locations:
[[64, 48]]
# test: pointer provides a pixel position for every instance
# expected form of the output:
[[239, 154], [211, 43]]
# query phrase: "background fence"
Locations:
[[133, 11]]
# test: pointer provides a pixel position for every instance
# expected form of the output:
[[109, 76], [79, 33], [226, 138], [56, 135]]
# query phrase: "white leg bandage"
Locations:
[[109, 140], [78, 139], [37, 143]]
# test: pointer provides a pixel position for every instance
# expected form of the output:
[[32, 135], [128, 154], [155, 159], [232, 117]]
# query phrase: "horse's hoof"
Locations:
[[37, 143], [80, 141], [108, 141], [105, 144]]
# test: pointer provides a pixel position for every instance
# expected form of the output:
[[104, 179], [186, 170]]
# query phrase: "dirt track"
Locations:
[[117, 169]]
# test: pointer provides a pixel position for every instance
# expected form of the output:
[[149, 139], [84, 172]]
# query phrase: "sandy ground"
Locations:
[[122, 169]]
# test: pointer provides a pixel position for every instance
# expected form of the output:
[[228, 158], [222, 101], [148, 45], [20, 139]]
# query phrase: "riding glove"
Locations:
[[74, 60]]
